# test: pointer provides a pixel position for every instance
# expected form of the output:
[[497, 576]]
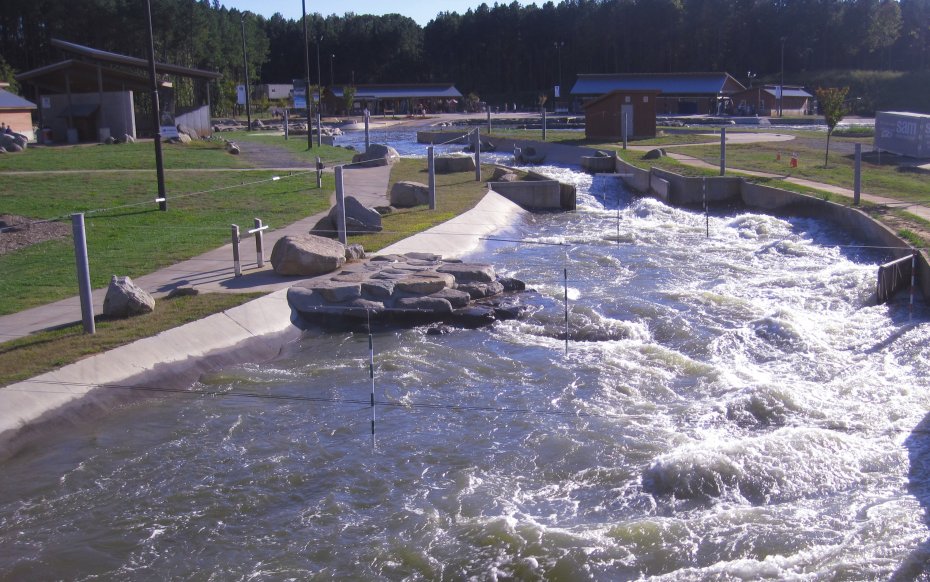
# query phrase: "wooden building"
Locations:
[[16, 112], [680, 93], [606, 116], [763, 100], [399, 99]]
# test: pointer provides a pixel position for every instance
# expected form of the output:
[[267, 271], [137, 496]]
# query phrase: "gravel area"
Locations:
[[17, 232]]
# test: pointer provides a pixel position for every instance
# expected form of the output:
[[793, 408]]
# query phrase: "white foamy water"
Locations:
[[731, 407]]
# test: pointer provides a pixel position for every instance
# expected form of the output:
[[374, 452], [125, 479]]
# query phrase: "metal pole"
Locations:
[[489, 120], [431, 167], [477, 155], [307, 95], [245, 66], [857, 180], [259, 243], [319, 172], [544, 123], [340, 207], [706, 214], [781, 89], [319, 128], [237, 264], [156, 115], [286, 128], [723, 151], [371, 374], [626, 128], [367, 133], [83, 272], [565, 285]]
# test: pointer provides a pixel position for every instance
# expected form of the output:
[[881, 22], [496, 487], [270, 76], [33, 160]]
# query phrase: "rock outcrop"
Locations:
[[377, 155], [307, 255], [409, 289], [454, 164], [124, 299]]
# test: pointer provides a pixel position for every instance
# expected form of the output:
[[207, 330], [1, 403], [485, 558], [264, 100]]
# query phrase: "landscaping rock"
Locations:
[[469, 272], [307, 255], [407, 194], [377, 155], [654, 154], [454, 164], [355, 252], [188, 131], [358, 218], [124, 299]]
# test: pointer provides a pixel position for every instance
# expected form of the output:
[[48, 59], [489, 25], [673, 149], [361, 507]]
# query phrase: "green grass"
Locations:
[[41, 352], [133, 237], [455, 194], [127, 156]]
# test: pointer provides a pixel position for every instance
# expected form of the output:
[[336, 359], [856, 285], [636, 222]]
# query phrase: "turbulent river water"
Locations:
[[729, 407]]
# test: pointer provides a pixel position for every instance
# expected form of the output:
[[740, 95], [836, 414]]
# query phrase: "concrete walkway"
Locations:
[[209, 272]]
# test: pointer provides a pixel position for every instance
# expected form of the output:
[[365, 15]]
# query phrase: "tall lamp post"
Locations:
[[781, 88], [331, 82], [558, 47], [303, 4], [156, 113]]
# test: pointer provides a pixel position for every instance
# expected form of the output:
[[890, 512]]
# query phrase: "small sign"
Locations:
[[46, 102], [169, 132], [300, 94], [558, 90], [240, 94]]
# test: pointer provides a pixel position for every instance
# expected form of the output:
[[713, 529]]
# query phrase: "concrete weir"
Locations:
[[257, 330]]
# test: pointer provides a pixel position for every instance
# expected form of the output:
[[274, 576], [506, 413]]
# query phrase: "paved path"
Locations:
[[209, 272]]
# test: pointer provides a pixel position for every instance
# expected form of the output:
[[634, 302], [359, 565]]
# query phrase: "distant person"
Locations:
[[8, 130]]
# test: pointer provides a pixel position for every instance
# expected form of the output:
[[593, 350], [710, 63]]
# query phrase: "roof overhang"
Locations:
[[82, 77], [118, 59]]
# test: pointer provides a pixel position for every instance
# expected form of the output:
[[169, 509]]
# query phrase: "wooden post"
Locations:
[[237, 264], [340, 207], [319, 172], [477, 155], [259, 243], [857, 179], [723, 151], [431, 168], [286, 128], [83, 272], [544, 124]]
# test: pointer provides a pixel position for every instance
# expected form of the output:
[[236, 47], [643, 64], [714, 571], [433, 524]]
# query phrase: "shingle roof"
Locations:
[[443, 90], [11, 101], [667, 83]]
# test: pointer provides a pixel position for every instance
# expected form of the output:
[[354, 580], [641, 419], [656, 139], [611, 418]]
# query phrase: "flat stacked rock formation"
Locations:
[[410, 289]]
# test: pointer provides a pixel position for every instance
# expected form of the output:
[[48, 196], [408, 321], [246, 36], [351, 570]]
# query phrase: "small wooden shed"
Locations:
[[605, 116], [16, 112]]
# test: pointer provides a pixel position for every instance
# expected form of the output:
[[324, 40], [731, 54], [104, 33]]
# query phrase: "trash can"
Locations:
[[72, 135]]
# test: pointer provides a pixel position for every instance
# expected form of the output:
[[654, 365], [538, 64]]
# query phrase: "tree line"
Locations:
[[502, 52]]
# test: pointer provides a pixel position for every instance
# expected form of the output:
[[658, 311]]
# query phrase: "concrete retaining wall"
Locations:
[[531, 194]]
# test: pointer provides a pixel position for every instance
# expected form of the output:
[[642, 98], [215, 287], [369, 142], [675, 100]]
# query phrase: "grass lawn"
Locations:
[[41, 352], [127, 235], [455, 194], [127, 156]]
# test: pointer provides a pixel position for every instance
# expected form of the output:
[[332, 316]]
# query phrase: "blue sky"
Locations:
[[419, 10]]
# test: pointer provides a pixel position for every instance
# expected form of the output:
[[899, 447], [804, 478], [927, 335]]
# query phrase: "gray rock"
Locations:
[[481, 290], [377, 155], [407, 194], [456, 298], [654, 154], [384, 210], [469, 272], [379, 289], [307, 255], [511, 284], [473, 316], [355, 252], [454, 164], [183, 292], [431, 305], [188, 131], [499, 173], [335, 292], [423, 283], [430, 257], [325, 227], [509, 178], [358, 217], [184, 138], [124, 298]]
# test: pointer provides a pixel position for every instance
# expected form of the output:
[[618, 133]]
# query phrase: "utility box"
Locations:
[[905, 134]]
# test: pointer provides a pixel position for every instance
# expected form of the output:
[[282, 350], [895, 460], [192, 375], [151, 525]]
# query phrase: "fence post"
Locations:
[[340, 207], [489, 120], [431, 167], [723, 151], [544, 123], [286, 129], [367, 134], [259, 243], [319, 129], [857, 180], [626, 128], [237, 264], [477, 155], [83, 272], [319, 172]]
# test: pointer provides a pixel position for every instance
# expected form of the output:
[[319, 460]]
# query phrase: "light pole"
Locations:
[[558, 47], [781, 88], [156, 113], [331, 82], [307, 75]]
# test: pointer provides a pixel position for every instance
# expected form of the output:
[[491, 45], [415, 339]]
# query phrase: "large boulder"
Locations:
[[188, 131], [377, 155], [124, 298], [358, 217], [454, 164], [307, 255], [407, 194]]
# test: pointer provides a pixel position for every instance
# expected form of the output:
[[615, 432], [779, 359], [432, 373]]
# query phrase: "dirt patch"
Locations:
[[18, 232]]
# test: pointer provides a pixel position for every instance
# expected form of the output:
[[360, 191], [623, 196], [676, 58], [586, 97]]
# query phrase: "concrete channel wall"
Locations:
[[685, 191]]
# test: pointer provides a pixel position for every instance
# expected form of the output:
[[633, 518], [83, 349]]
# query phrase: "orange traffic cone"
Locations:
[[794, 160], [778, 157]]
